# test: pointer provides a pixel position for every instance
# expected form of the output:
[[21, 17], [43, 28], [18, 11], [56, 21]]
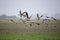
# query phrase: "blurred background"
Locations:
[[49, 8]]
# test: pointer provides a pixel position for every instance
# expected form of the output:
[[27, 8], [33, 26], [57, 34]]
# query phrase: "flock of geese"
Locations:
[[25, 15]]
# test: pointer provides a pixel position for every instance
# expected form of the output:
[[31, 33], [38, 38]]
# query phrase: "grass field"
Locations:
[[25, 36], [21, 31]]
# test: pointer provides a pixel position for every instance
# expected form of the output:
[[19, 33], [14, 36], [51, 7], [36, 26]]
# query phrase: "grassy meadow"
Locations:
[[29, 31]]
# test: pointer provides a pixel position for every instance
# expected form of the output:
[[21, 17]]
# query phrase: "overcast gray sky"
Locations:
[[46, 7]]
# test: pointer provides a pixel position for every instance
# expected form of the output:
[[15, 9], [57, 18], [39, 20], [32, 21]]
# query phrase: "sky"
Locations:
[[42, 7]]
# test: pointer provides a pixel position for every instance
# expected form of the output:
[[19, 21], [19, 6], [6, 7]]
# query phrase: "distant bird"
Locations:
[[12, 20], [53, 18], [38, 17], [47, 17], [27, 15], [46, 20]]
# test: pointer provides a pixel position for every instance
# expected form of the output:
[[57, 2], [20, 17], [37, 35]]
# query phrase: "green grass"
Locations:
[[33, 36]]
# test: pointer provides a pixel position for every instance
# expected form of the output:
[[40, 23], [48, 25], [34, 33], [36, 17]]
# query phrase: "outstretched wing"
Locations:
[[41, 16], [54, 18], [20, 14], [29, 17], [47, 17], [38, 16]]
